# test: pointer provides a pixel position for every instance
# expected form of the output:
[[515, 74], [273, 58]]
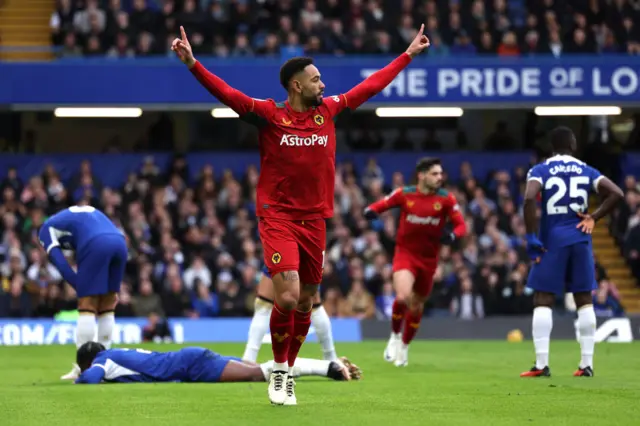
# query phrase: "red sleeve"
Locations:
[[395, 199], [370, 87], [456, 217], [233, 98]]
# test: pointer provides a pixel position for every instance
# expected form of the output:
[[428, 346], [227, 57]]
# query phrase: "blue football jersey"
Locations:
[[138, 365], [74, 227], [566, 185]]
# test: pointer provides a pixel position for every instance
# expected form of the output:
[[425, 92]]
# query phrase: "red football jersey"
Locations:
[[297, 159], [297, 149], [422, 218]]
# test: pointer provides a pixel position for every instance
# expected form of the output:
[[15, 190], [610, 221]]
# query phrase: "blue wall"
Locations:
[[453, 81]]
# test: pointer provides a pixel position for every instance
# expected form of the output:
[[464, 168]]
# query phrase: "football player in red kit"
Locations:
[[295, 191], [425, 209]]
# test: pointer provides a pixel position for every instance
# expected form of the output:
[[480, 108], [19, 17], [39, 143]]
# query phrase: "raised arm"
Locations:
[[395, 199], [233, 98], [377, 81]]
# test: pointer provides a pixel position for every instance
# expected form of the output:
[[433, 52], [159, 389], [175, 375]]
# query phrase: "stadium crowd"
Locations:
[[244, 28], [194, 249]]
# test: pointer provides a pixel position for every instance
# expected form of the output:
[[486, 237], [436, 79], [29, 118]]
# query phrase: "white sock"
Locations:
[[106, 323], [257, 330], [587, 327], [322, 324], [279, 366], [311, 367], [85, 328], [541, 326], [302, 367]]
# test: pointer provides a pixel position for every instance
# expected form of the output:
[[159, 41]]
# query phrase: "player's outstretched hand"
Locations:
[[587, 223], [447, 238], [182, 47], [420, 43], [370, 214], [535, 249]]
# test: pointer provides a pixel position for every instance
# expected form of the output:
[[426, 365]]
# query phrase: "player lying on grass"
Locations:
[[191, 365], [101, 253], [561, 248], [262, 314]]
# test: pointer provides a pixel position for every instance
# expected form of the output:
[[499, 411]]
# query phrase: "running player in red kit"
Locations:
[[296, 186], [425, 209]]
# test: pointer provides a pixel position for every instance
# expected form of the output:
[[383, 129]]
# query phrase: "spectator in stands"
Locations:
[[14, 300], [157, 330], [336, 27], [197, 271], [359, 303], [605, 303], [194, 252], [467, 305], [205, 303], [147, 302]]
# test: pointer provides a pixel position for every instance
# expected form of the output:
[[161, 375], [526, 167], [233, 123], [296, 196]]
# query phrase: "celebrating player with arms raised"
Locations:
[[425, 209], [296, 186], [562, 249]]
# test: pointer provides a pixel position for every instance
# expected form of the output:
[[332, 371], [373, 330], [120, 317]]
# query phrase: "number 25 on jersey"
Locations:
[[574, 197]]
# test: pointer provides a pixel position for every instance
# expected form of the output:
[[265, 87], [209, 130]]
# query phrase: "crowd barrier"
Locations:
[[129, 330]]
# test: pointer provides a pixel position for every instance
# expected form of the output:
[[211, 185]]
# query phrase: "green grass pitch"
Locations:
[[446, 383]]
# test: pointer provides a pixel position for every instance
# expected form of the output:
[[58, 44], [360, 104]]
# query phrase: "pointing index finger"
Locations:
[[183, 34], [421, 30]]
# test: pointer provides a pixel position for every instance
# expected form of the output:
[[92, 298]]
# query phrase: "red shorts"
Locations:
[[294, 246], [422, 270]]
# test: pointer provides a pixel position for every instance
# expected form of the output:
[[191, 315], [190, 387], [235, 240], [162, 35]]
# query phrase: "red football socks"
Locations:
[[281, 326], [397, 316], [301, 324], [411, 327]]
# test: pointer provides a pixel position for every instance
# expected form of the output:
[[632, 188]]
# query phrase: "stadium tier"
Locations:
[[194, 249]]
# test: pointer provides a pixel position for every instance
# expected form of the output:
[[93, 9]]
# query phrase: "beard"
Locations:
[[432, 187], [313, 100]]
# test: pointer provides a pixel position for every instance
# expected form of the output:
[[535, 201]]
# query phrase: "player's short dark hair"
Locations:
[[292, 67], [561, 139], [426, 163], [87, 353]]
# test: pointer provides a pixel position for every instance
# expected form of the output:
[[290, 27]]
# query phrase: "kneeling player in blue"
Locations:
[[562, 250], [193, 365], [101, 254]]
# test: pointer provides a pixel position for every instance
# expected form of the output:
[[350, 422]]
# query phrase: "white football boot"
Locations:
[[291, 392], [278, 387], [392, 347], [402, 356]]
